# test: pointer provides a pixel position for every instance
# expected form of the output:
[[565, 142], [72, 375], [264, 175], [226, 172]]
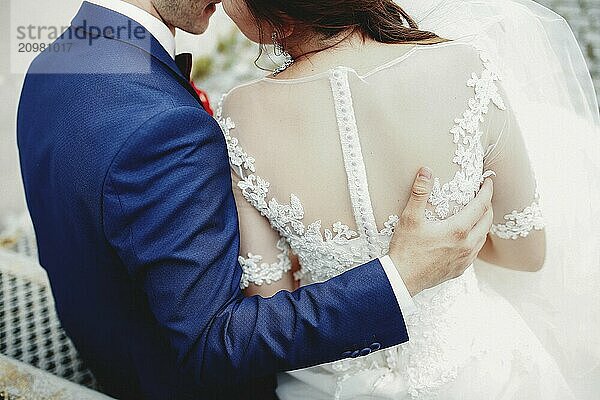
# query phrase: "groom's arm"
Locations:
[[169, 213]]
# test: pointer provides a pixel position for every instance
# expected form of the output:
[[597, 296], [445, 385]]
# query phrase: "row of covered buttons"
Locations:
[[367, 350], [348, 132]]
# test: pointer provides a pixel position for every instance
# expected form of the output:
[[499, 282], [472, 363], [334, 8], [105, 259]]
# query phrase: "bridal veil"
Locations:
[[552, 94]]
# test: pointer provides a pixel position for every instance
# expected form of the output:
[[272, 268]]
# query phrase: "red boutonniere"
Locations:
[[203, 99]]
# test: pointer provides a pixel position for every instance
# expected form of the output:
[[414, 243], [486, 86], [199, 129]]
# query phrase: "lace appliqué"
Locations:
[[258, 273], [390, 225], [323, 253], [520, 223], [450, 197], [237, 156], [423, 362], [427, 362]]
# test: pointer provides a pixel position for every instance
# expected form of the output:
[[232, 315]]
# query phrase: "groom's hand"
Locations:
[[429, 253]]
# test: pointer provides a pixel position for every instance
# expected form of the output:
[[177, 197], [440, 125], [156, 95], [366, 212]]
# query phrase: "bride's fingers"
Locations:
[[421, 189], [473, 212]]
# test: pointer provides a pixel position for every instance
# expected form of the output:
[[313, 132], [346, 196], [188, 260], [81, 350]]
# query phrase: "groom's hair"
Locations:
[[381, 20]]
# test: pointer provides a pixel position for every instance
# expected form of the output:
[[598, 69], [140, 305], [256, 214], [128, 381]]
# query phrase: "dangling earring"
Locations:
[[279, 51]]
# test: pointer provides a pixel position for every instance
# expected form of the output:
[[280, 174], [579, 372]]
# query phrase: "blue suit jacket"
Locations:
[[128, 184]]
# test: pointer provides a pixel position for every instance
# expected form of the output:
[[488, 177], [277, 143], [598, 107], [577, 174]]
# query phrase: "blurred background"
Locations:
[[223, 59]]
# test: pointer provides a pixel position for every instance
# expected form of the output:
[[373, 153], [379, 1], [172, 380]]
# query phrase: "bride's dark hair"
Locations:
[[381, 20]]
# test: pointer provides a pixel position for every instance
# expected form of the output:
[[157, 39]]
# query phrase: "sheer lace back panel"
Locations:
[[322, 164], [329, 159]]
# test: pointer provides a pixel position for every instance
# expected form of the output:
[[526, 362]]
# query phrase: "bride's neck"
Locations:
[[305, 47]]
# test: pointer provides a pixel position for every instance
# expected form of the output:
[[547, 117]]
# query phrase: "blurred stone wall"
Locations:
[[584, 18]]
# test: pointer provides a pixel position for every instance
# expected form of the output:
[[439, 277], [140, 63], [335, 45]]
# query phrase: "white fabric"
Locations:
[[549, 84], [343, 143], [531, 44], [405, 300], [155, 26]]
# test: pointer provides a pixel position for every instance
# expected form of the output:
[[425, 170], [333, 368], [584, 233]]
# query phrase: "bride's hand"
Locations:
[[427, 254]]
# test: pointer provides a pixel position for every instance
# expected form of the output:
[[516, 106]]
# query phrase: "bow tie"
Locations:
[[184, 63]]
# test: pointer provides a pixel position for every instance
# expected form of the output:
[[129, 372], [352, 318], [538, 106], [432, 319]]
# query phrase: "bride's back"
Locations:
[[305, 129]]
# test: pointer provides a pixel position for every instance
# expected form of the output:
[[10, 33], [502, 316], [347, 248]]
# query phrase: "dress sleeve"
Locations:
[[264, 254], [515, 202]]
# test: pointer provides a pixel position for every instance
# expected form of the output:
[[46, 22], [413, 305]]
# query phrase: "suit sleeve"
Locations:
[[170, 215]]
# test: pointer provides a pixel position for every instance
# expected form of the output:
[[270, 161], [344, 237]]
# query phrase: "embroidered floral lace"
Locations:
[[520, 223], [441, 341], [258, 273]]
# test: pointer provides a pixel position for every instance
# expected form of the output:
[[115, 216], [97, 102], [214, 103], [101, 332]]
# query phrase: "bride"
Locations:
[[324, 150]]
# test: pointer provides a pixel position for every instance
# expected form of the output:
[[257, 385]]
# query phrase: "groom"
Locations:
[[128, 185]]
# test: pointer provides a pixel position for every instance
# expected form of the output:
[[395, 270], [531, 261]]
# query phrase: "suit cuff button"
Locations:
[[375, 346], [365, 351]]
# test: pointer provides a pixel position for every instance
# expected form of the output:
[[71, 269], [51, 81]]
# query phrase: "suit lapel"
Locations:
[[93, 21]]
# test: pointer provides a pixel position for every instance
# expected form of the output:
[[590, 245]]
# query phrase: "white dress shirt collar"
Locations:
[[155, 26]]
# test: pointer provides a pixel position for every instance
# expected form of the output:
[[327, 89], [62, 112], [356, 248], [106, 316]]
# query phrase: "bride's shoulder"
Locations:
[[461, 52], [462, 46], [243, 95], [241, 107]]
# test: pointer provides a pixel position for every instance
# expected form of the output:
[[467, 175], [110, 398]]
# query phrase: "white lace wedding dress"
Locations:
[[319, 164]]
